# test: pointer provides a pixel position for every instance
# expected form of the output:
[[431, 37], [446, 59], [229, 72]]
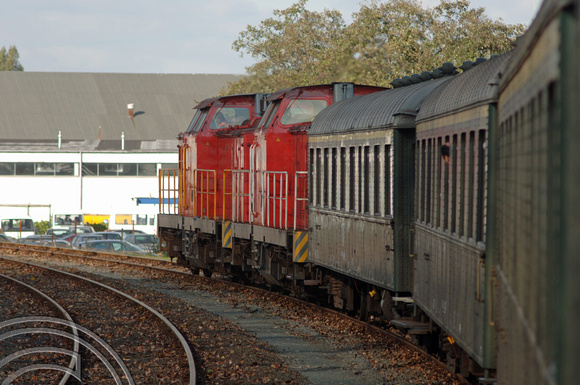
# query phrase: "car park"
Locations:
[[113, 246]]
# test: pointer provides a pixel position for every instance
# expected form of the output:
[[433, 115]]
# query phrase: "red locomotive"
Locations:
[[243, 184]]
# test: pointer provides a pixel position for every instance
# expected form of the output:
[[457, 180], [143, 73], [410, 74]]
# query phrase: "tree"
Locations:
[[288, 47], [9, 60], [385, 41]]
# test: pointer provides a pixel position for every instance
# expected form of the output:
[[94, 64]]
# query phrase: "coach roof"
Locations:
[[393, 108]]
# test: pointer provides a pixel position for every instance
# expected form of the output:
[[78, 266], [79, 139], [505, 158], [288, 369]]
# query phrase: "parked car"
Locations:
[[82, 238], [81, 229], [110, 235], [43, 239], [5, 238], [58, 233], [34, 238], [113, 246], [124, 232], [145, 241]]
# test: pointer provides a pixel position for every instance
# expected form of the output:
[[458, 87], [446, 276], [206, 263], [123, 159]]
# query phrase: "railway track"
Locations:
[[126, 354], [374, 344]]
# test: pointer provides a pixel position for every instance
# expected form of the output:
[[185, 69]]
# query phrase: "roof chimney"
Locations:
[[130, 107]]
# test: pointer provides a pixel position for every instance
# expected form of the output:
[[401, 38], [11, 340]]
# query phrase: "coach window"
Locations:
[[462, 184], [325, 177], [359, 179], [333, 173], [377, 180], [342, 178], [429, 179], [352, 179], [312, 182], [445, 155], [420, 180], [470, 185], [367, 180], [387, 176], [319, 177], [480, 185], [454, 190]]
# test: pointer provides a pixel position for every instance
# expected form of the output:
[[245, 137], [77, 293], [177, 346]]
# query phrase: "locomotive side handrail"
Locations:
[[169, 196], [273, 195], [296, 198], [203, 189], [238, 198]]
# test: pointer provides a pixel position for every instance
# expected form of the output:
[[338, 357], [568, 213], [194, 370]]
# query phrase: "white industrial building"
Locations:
[[93, 143]]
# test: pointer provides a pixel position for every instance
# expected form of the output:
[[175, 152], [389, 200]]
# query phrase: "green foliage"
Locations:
[[386, 40], [99, 226], [9, 59], [41, 227]]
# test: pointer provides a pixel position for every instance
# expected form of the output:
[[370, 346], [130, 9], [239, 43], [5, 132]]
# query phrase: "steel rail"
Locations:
[[176, 332], [74, 358]]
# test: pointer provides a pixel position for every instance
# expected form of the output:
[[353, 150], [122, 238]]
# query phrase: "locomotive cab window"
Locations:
[[269, 115], [229, 117], [194, 121], [196, 127], [302, 111]]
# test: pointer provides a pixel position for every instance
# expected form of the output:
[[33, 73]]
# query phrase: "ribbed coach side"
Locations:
[[536, 204], [450, 208], [361, 184]]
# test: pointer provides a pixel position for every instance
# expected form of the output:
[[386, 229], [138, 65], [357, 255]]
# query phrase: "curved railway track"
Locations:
[[107, 313], [68, 370], [166, 267]]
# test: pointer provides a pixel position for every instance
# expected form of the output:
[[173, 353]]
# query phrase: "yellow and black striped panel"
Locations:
[[300, 246], [227, 234]]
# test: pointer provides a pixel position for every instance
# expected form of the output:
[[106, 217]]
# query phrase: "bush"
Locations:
[[41, 227], [99, 226]]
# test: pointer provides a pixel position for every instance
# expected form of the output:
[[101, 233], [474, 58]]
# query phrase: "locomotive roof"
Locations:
[[209, 101], [377, 110], [478, 85], [36, 106]]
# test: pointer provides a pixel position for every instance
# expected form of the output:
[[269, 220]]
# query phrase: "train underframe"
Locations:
[[271, 266]]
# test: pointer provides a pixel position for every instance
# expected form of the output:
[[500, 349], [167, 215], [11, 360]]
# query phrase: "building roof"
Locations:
[[36, 106]]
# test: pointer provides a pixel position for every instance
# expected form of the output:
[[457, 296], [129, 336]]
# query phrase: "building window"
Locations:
[[37, 169], [120, 169]]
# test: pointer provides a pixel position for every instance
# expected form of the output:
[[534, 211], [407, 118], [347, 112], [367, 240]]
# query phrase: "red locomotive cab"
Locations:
[[234, 142], [187, 161], [211, 149], [280, 152]]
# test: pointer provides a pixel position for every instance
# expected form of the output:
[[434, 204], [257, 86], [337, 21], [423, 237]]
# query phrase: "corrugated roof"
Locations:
[[478, 85], [37, 105], [375, 110]]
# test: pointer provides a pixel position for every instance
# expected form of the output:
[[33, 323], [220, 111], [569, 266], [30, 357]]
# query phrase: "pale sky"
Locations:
[[162, 36]]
